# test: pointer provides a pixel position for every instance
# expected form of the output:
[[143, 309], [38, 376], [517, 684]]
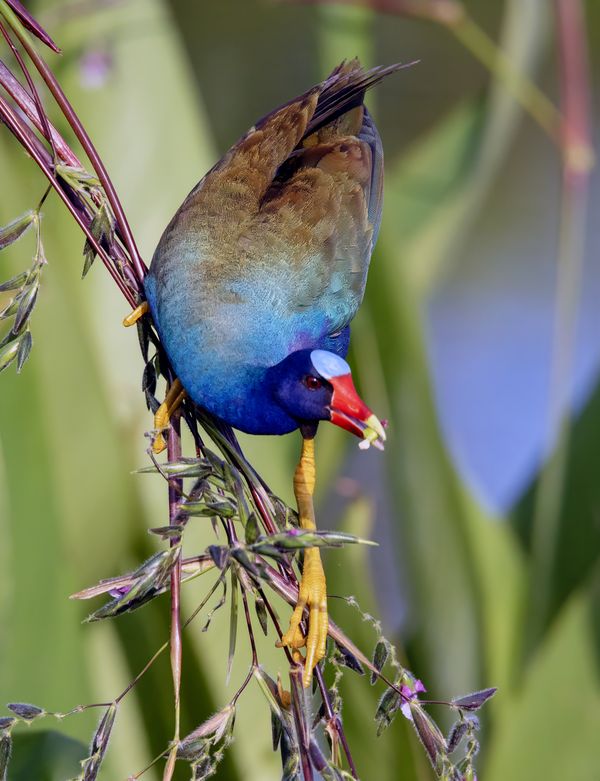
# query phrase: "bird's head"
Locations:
[[313, 385]]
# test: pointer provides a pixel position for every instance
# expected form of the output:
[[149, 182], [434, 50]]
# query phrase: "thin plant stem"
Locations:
[[31, 24], [249, 625], [577, 162], [245, 683], [162, 648], [23, 134], [297, 692], [335, 720], [82, 136], [175, 491], [28, 106], [142, 672], [41, 114]]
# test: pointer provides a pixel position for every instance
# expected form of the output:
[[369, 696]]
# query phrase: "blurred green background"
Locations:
[[478, 581]]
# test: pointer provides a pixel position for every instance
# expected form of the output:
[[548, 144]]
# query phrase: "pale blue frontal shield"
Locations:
[[329, 365]]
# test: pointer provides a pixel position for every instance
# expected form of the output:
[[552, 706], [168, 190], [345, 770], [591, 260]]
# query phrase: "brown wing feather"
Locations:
[[239, 181], [302, 188]]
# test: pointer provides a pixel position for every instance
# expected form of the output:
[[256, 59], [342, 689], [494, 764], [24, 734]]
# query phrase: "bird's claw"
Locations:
[[134, 316], [313, 596], [174, 397], [162, 416]]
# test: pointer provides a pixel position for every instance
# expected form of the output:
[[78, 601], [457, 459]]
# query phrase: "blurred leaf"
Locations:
[[45, 756], [425, 485], [500, 568], [553, 719], [435, 192], [578, 540]]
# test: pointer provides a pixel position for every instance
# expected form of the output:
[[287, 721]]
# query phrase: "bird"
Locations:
[[255, 281]]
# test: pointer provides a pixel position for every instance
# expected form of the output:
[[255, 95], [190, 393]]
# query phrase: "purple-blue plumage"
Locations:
[[267, 258]]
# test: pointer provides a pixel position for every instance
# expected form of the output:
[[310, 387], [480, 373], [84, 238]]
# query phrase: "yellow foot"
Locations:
[[175, 395], [134, 316], [312, 595]]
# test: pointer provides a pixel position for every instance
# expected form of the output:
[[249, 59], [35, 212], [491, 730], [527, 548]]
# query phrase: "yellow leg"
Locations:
[[134, 316], [313, 588], [175, 395]]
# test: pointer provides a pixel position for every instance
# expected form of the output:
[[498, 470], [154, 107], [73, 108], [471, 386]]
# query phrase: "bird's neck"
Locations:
[[246, 402]]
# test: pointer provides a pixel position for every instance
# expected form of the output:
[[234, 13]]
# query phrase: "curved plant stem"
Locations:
[[40, 113], [82, 136], [302, 728], [31, 144], [577, 162], [28, 106], [335, 721]]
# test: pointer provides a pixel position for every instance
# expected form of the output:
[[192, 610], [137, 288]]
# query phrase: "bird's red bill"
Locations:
[[350, 412]]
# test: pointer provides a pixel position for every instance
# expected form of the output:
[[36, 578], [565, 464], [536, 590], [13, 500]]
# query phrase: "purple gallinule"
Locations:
[[255, 281]]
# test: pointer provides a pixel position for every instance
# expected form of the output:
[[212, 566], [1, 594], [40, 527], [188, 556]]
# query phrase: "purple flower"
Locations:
[[409, 692]]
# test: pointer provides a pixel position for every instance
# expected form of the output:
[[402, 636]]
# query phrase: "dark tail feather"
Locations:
[[345, 89]]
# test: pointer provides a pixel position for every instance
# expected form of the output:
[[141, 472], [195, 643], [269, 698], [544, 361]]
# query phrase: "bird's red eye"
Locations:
[[313, 383]]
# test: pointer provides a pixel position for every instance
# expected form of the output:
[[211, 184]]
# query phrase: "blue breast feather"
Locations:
[[222, 354], [269, 255]]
